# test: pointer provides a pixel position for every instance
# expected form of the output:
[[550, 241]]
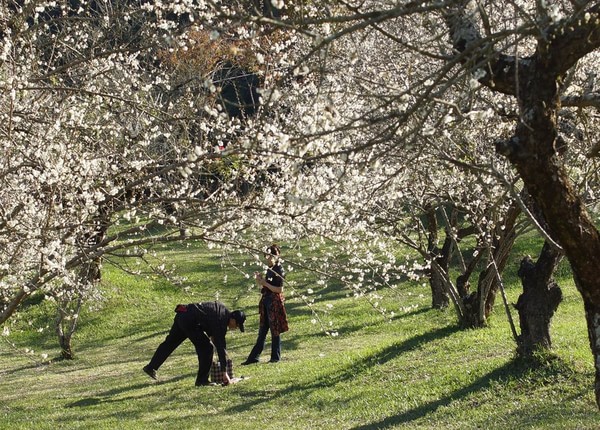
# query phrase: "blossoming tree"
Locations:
[[528, 67], [372, 114], [108, 145]]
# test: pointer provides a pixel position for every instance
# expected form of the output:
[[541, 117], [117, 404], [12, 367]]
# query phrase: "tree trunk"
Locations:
[[592, 315], [539, 300], [535, 149], [64, 339], [548, 183], [480, 304], [66, 323], [550, 186], [70, 304], [439, 295]]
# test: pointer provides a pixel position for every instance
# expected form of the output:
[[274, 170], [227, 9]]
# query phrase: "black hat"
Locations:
[[239, 317]]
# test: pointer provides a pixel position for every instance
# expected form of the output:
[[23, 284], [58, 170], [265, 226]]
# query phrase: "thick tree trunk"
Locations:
[[573, 229], [568, 220], [550, 186], [535, 148], [539, 300]]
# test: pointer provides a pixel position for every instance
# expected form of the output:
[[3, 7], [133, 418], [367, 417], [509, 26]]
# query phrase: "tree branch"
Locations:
[[492, 69], [572, 39]]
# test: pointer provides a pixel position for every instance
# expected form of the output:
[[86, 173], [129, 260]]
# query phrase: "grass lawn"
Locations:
[[415, 370]]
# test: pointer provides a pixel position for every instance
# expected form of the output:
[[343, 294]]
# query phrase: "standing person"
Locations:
[[271, 308], [199, 322]]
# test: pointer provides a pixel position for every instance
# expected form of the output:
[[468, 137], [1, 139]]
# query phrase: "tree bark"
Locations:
[[534, 148], [439, 295], [539, 300], [481, 303], [592, 314], [548, 183]]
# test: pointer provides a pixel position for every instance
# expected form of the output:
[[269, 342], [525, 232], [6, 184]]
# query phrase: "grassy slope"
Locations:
[[417, 371]]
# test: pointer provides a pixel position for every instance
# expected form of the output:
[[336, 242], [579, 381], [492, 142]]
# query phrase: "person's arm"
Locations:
[[218, 327], [276, 283], [220, 345], [262, 282], [222, 353]]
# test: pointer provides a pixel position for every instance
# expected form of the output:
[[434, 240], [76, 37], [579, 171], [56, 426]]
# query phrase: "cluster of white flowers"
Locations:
[[352, 143]]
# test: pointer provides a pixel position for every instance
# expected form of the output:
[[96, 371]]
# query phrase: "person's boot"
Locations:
[[150, 372]]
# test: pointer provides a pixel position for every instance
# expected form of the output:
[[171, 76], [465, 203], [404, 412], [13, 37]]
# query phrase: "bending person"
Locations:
[[199, 322]]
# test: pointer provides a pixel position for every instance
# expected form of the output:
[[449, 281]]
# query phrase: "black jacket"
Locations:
[[213, 318]]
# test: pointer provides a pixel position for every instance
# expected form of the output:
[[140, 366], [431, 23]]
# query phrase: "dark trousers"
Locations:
[[262, 337], [184, 327]]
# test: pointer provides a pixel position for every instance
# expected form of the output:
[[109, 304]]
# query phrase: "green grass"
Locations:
[[417, 370]]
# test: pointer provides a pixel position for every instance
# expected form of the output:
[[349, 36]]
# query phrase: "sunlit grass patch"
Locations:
[[409, 367]]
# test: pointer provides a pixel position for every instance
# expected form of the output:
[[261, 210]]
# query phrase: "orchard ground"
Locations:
[[415, 369]]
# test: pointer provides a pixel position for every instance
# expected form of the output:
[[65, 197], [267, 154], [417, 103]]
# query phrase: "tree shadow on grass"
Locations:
[[114, 395], [514, 369], [381, 357], [22, 368], [352, 370]]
